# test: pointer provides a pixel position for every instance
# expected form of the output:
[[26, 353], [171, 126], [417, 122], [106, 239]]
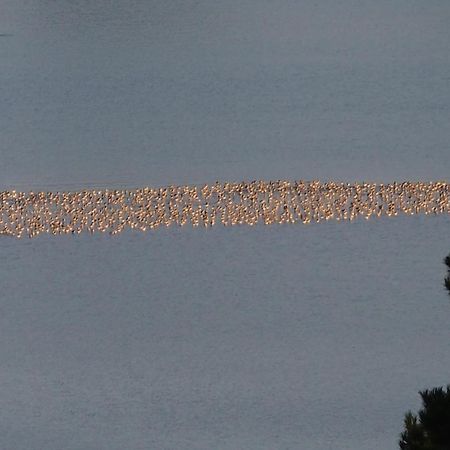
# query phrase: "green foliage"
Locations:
[[413, 437], [430, 428]]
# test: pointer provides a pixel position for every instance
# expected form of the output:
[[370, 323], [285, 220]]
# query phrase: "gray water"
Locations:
[[142, 92], [286, 337]]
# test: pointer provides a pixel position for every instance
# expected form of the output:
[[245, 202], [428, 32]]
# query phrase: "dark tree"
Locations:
[[447, 278], [430, 428]]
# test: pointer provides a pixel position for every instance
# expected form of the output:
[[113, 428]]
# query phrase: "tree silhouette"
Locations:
[[447, 278], [430, 428]]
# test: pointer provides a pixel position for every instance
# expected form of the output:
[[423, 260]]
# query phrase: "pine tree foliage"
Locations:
[[430, 428], [413, 437], [447, 278]]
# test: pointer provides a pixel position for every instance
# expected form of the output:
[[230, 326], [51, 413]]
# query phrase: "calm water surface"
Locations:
[[296, 337], [145, 92]]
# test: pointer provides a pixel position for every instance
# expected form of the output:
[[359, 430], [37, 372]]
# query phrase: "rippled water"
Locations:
[[281, 337], [138, 92]]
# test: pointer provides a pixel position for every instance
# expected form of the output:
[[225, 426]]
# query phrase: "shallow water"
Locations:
[[289, 336], [314, 337], [133, 93]]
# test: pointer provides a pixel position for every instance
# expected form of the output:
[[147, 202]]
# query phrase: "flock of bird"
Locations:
[[249, 203]]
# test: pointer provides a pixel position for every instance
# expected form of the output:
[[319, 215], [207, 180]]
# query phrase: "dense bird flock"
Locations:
[[249, 203]]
